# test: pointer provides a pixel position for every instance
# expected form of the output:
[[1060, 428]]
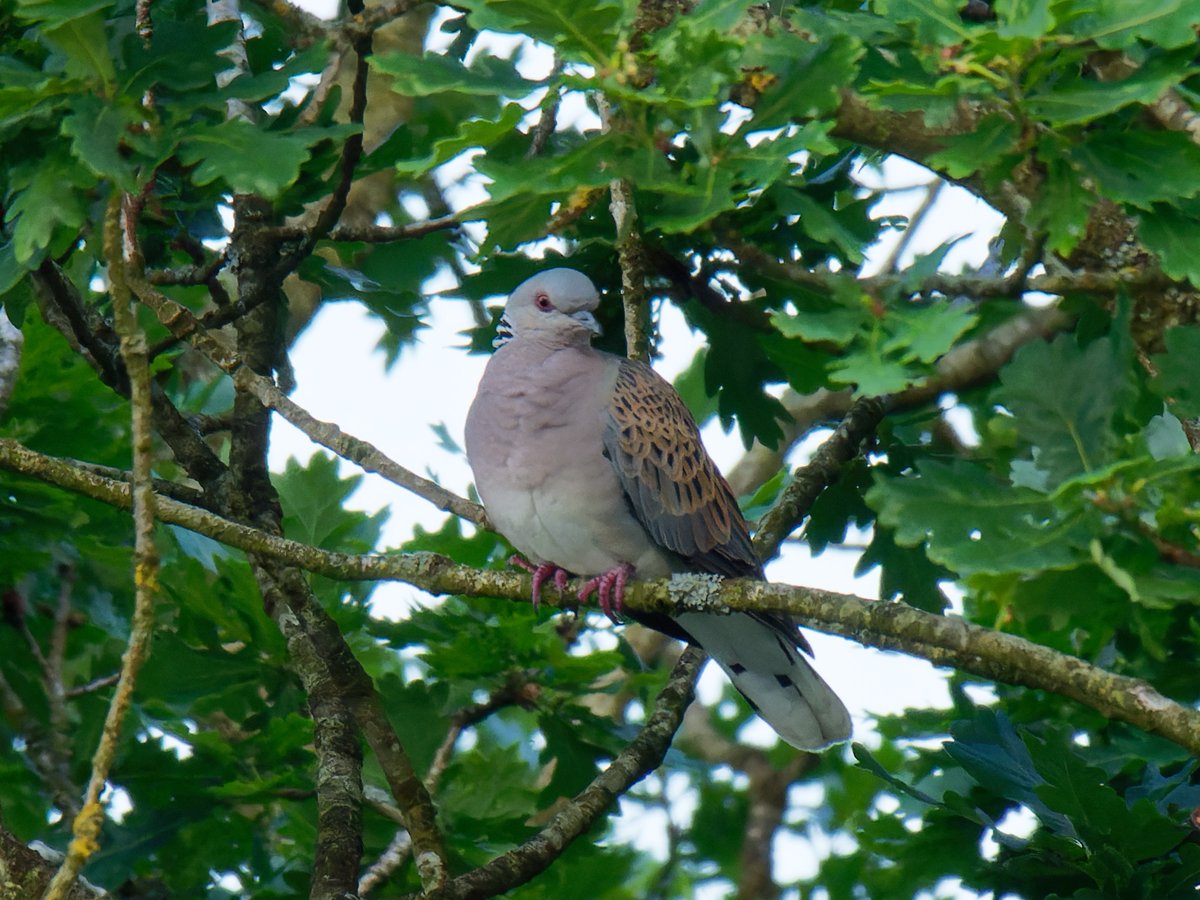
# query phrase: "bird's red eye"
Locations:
[[542, 302]]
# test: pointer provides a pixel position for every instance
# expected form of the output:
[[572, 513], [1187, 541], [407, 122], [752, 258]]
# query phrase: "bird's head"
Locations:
[[553, 307]]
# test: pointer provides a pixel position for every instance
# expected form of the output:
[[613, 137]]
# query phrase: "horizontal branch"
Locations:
[[943, 640], [371, 234], [973, 285], [201, 273]]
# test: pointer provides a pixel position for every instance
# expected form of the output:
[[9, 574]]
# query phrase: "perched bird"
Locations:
[[591, 464]]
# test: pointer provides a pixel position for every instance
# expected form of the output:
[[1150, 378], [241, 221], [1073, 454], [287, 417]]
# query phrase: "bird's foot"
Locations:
[[609, 589], [540, 573]]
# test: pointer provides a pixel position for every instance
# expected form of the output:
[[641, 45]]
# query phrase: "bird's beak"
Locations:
[[587, 320]]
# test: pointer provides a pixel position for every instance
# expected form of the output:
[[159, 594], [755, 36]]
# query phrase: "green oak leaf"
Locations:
[[50, 195], [471, 134], [839, 325], [973, 523], [807, 76], [590, 29], [924, 334], [1063, 399], [1118, 24], [1141, 167], [101, 137], [962, 155], [937, 22], [246, 158], [79, 32], [1171, 232], [1176, 381], [871, 373], [1030, 19], [423, 76], [1062, 209], [1075, 100], [989, 747]]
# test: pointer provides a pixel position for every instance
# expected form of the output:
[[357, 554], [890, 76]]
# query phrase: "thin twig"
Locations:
[[380, 14], [62, 623], [179, 319], [143, 24], [200, 273], [631, 254], [1175, 113], [352, 152], [810, 480], [371, 234], [86, 827], [391, 859], [969, 285], [53, 749], [173, 489], [52, 670], [932, 191], [96, 684], [95, 341], [400, 846], [644, 754], [548, 120]]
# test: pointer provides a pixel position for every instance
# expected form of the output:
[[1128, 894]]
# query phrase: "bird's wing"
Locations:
[[687, 507], [672, 485]]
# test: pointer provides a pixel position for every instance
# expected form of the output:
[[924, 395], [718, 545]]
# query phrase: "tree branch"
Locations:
[[56, 756], [631, 255], [944, 640], [335, 739], [808, 481], [25, 872], [766, 791], [644, 754], [933, 190], [548, 118], [352, 152], [90, 336], [87, 824], [179, 319], [372, 234], [285, 592], [513, 691], [971, 285]]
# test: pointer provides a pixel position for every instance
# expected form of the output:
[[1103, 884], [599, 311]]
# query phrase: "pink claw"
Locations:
[[610, 589], [541, 572]]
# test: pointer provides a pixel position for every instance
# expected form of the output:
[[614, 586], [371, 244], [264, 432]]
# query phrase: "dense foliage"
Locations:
[[222, 171]]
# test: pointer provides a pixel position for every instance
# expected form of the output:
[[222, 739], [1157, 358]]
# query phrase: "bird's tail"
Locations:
[[761, 657]]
